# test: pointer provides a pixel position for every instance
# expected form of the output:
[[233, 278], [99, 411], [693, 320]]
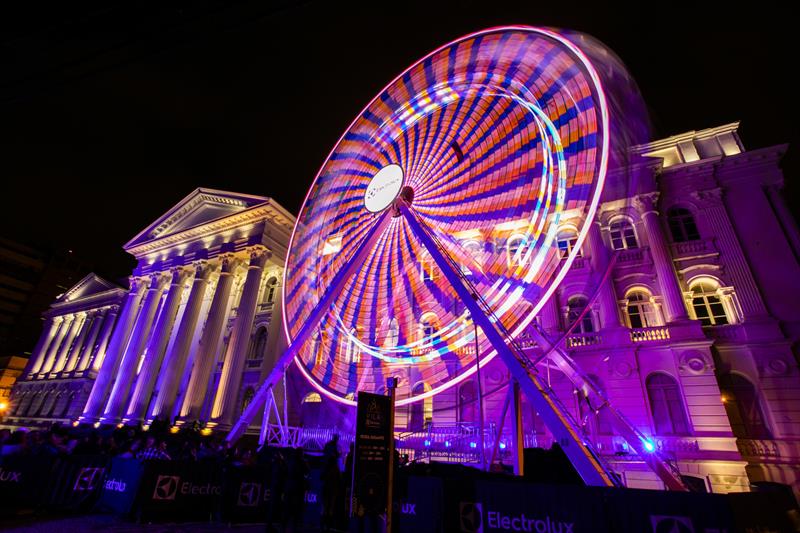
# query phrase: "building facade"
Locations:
[[188, 340], [682, 306]]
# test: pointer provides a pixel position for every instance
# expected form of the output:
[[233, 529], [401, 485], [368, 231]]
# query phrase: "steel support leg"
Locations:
[[581, 454]]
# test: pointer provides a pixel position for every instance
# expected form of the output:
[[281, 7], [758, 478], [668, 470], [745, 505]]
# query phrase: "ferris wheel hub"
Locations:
[[383, 188]]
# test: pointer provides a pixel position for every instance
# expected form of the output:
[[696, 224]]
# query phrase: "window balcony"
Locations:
[[654, 334], [253, 363], [631, 256], [580, 340], [692, 249]]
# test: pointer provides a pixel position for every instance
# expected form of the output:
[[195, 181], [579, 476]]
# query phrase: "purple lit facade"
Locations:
[[693, 339]]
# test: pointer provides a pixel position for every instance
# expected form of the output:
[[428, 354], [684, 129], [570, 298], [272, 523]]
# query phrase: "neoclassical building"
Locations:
[[190, 338], [692, 334]]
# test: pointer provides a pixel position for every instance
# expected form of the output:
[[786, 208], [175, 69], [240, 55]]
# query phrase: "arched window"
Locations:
[[707, 304], [575, 306], [427, 267], [473, 249], [743, 407], [310, 409], [351, 350], [467, 402], [516, 250], [247, 397], [270, 289], [623, 236], [567, 239], [259, 345], [420, 413], [682, 225], [642, 313], [666, 405], [392, 334], [429, 325]]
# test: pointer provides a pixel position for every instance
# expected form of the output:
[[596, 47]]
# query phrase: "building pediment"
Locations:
[[90, 285], [200, 207]]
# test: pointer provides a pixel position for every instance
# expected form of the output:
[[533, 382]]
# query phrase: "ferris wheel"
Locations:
[[436, 214]]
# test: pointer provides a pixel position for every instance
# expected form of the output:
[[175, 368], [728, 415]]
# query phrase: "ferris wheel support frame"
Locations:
[[310, 324], [582, 456]]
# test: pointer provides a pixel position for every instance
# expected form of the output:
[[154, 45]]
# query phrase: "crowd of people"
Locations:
[[127, 442], [287, 470]]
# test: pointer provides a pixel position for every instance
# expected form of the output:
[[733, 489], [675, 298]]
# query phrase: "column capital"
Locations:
[[178, 274], [202, 269], [228, 263], [646, 203], [258, 255], [137, 282], [157, 281], [708, 196]]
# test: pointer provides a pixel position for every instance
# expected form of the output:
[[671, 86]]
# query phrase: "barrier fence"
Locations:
[[435, 500]]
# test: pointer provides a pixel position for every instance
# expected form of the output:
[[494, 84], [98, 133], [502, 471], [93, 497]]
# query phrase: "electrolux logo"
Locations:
[[310, 497], [88, 478], [166, 487], [471, 516], [671, 524], [10, 476], [116, 485], [405, 508], [249, 494], [473, 520]]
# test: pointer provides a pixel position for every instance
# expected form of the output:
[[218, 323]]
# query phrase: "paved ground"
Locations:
[[112, 524]]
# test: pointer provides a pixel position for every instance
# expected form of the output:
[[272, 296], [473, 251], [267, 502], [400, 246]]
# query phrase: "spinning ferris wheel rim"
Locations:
[[590, 211]]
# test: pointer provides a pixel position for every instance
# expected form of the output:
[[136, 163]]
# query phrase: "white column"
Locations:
[[609, 310], [225, 408], [176, 359], [206, 356], [63, 352], [75, 350], [118, 399], [109, 323], [662, 259], [154, 352], [37, 356], [550, 318], [110, 358], [731, 253], [91, 339], [55, 346]]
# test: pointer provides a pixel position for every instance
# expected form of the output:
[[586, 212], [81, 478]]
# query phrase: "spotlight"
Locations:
[[473, 444], [427, 443], [649, 446], [447, 444], [502, 445]]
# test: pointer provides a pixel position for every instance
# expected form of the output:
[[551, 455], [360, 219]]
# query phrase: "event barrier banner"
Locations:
[[176, 490], [121, 486], [418, 505], [24, 482], [246, 494], [76, 482]]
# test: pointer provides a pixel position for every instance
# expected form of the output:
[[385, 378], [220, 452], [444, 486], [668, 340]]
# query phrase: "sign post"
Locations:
[[391, 385], [374, 449]]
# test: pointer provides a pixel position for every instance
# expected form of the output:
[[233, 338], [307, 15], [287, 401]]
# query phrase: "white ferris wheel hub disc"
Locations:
[[383, 188]]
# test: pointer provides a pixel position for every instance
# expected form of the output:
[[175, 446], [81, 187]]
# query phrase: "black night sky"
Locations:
[[111, 112]]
